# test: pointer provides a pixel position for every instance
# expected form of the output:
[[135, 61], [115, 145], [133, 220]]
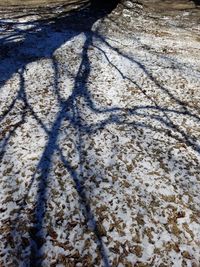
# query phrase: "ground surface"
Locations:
[[31, 3], [100, 130]]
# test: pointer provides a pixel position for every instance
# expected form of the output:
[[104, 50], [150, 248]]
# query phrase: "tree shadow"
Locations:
[[69, 25], [17, 45]]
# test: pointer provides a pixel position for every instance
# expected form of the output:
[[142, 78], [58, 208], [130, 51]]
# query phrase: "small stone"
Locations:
[[128, 4]]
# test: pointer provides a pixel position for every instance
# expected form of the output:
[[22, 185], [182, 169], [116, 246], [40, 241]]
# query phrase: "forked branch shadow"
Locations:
[[69, 25]]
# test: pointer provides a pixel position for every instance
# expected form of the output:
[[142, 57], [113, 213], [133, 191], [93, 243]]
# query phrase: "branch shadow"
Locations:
[[18, 45]]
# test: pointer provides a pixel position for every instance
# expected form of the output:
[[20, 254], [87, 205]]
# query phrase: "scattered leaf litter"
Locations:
[[100, 143]]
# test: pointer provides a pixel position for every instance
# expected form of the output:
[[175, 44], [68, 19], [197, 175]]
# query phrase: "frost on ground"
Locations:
[[100, 130]]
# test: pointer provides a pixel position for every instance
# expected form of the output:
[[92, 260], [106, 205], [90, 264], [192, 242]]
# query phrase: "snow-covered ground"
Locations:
[[100, 140]]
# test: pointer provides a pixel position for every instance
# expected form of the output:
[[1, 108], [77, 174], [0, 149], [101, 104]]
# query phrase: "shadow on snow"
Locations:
[[68, 25]]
